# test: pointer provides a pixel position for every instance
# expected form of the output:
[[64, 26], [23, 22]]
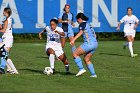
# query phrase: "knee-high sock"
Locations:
[[10, 63], [73, 48], [91, 69], [52, 59], [8, 67], [131, 48], [3, 63], [78, 62]]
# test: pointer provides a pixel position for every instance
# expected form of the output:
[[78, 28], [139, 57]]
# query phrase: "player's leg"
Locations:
[[50, 52], [71, 37], [64, 59], [73, 47], [130, 40], [76, 54], [89, 64], [10, 63]]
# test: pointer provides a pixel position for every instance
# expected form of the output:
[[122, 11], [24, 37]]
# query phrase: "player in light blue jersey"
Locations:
[[66, 19], [87, 48]]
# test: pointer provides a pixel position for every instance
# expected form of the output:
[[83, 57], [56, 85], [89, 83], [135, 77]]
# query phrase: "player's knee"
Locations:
[[75, 55]]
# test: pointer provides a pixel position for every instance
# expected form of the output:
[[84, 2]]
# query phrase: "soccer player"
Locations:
[[3, 56], [66, 19], [130, 24], [87, 48], [8, 38], [53, 46]]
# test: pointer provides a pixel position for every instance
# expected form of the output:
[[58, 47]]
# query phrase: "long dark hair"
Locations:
[[65, 6], [82, 16], [8, 10]]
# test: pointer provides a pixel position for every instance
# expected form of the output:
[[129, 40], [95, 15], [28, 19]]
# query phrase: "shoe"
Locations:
[[13, 72], [2, 71], [80, 72], [134, 55], [93, 76]]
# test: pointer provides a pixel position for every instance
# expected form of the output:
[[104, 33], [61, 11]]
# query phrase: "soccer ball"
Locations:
[[48, 71]]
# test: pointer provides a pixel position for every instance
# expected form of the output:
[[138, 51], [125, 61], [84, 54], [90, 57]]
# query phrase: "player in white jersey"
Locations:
[[54, 46], [8, 38], [130, 24]]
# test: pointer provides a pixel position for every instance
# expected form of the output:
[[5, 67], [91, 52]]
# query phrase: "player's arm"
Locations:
[[118, 27], [61, 21], [60, 33], [76, 37], [40, 33], [5, 27]]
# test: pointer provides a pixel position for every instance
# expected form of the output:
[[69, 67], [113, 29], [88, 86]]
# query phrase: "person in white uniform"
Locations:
[[54, 45], [130, 24], [7, 38]]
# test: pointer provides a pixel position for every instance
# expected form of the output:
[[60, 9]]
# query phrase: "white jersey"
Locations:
[[53, 38], [8, 32], [129, 22]]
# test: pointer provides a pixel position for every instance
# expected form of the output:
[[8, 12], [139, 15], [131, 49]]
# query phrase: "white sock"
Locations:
[[131, 48], [52, 59], [8, 67], [10, 63]]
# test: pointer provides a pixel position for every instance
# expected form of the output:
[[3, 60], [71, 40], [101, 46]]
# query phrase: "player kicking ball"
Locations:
[[53, 46], [87, 48], [7, 38], [130, 24]]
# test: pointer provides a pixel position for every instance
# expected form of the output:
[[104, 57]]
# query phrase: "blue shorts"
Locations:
[[89, 47], [70, 32]]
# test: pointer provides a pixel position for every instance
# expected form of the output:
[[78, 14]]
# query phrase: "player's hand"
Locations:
[[55, 31], [135, 27], [40, 37], [118, 28], [73, 24], [72, 42]]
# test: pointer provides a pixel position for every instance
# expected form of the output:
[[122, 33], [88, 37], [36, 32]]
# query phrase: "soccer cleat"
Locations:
[[2, 71], [134, 55], [13, 72], [67, 68], [93, 76], [80, 72]]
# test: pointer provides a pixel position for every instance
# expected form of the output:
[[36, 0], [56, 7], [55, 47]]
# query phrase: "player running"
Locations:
[[53, 46], [130, 24], [8, 38], [66, 19], [87, 48]]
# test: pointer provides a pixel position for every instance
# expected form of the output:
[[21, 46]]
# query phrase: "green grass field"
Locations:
[[117, 72]]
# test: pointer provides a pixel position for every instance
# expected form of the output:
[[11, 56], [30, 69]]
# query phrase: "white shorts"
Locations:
[[8, 41], [58, 50], [130, 33]]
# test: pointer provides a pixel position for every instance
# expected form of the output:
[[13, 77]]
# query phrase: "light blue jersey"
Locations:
[[88, 34], [67, 27], [90, 43]]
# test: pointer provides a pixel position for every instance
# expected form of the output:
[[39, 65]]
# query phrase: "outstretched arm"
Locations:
[[40, 33], [118, 28]]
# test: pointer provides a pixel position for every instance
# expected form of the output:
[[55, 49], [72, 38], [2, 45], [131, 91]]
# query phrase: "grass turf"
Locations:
[[117, 72]]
